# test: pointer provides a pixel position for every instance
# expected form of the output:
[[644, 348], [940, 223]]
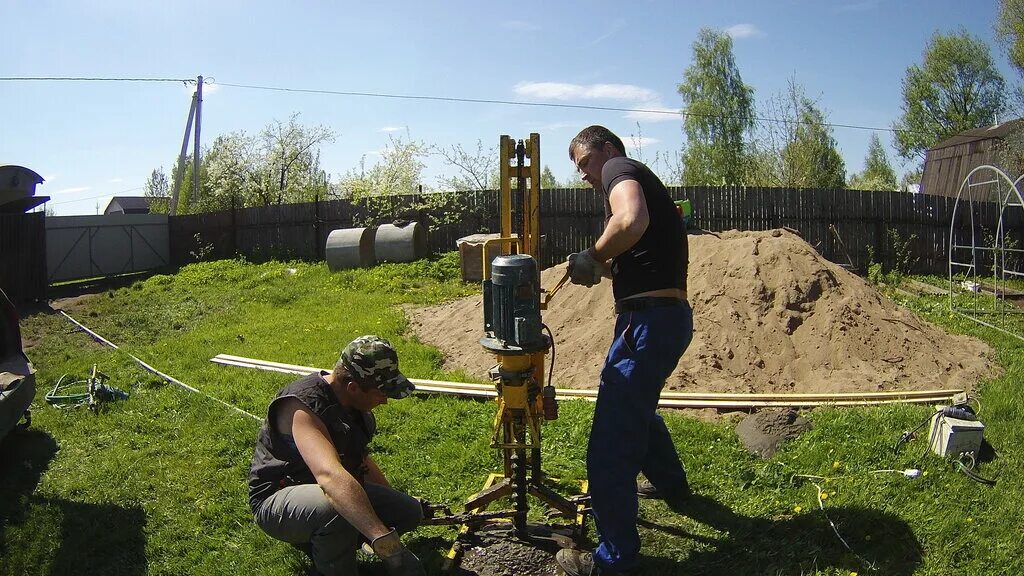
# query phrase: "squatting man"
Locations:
[[313, 483]]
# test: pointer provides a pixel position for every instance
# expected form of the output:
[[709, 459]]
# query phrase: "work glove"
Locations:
[[584, 269], [397, 559]]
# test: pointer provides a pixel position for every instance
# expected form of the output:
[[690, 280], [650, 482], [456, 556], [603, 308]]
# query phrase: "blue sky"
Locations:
[[91, 141]]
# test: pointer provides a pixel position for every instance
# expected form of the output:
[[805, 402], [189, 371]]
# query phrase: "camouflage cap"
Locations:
[[372, 362]]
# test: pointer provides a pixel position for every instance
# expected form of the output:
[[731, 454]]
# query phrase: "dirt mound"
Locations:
[[770, 315]]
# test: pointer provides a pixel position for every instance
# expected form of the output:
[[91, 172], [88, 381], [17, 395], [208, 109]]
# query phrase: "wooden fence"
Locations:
[[849, 227], [23, 256]]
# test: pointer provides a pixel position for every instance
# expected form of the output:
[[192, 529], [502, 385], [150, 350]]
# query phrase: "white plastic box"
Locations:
[[952, 436]]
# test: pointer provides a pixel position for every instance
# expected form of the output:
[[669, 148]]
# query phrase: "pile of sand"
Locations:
[[770, 315]]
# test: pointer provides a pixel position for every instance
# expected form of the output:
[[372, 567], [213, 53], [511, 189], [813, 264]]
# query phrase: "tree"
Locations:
[[291, 169], [1010, 31], [158, 190], [911, 178], [811, 159], [956, 88], [476, 170], [547, 179], [795, 148], [718, 108], [281, 165], [878, 173], [574, 181], [398, 172]]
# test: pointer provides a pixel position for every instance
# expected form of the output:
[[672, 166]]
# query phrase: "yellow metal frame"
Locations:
[[513, 165]]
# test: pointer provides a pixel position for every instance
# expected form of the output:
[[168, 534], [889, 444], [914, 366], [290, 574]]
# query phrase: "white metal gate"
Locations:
[[79, 247]]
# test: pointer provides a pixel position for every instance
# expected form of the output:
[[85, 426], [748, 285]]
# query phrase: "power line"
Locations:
[[535, 104], [95, 197], [90, 79], [421, 97]]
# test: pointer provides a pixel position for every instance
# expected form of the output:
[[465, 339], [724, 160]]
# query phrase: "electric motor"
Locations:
[[512, 306]]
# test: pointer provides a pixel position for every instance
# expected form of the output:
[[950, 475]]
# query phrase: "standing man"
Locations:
[[644, 250], [312, 481]]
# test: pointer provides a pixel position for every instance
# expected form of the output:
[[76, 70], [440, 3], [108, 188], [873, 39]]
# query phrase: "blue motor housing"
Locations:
[[512, 306]]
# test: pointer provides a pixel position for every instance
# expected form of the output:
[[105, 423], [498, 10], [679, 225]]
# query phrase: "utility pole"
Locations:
[[195, 152], [194, 113], [181, 160]]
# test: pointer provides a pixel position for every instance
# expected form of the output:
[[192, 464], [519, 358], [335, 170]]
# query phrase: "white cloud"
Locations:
[[118, 180], [634, 143], [390, 129], [521, 26], [861, 6], [49, 178], [73, 190], [739, 31], [566, 91], [646, 102]]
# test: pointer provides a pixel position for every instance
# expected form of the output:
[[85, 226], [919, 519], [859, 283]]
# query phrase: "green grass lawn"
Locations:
[[156, 484]]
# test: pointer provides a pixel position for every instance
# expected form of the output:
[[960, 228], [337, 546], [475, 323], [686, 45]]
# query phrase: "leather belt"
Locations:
[[645, 302]]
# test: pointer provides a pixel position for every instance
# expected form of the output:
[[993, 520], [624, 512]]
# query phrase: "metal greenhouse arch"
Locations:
[[986, 264]]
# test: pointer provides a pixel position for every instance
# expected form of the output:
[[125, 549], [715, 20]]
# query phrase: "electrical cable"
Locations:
[[835, 529], [969, 470], [542, 105], [551, 367], [421, 97], [90, 79], [94, 197]]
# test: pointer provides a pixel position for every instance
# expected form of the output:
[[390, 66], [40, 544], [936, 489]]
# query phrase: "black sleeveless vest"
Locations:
[[276, 461]]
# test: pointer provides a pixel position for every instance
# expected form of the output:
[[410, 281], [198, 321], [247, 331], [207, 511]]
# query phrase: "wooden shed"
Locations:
[[950, 161]]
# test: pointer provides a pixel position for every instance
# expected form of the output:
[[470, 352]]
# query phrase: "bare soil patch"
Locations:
[[770, 315]]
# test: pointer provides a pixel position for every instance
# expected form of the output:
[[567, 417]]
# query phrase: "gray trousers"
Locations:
[[301, 514]]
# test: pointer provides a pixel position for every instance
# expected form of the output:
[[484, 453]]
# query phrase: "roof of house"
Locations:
[[14, 168], [131, 202], [999, 131]]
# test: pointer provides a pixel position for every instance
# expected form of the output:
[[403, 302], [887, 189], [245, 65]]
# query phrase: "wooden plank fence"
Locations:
[[845, 226]]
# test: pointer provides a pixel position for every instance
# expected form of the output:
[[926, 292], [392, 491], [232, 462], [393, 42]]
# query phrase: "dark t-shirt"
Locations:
[[276, 461], [659, 259]]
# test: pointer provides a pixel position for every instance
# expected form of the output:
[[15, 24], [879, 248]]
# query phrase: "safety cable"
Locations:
[[149, 368]]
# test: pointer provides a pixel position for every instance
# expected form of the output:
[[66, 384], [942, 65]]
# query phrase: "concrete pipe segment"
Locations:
[[401, 243], [350, 248]]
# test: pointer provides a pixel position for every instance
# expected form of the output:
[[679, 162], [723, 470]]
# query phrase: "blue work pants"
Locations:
[[628, 436]]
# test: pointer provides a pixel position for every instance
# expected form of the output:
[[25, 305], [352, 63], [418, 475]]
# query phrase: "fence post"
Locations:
[[318, 246], [234, 230]]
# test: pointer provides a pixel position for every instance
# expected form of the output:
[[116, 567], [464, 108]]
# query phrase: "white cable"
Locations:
[[154, 370]]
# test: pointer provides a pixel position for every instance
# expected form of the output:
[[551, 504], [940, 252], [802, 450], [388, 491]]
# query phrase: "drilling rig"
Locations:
[[514, 333]]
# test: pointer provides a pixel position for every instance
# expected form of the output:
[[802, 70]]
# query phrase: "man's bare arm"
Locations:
[[343, 491], [628, 223]]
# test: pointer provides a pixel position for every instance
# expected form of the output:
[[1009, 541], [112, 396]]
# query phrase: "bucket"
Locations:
[[350, 248], [401, 243]]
